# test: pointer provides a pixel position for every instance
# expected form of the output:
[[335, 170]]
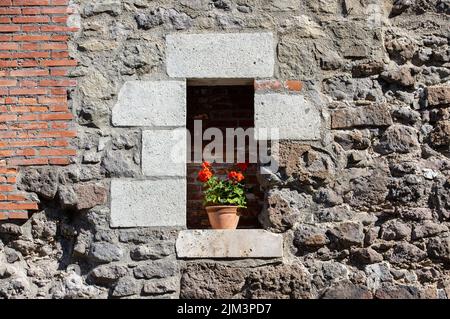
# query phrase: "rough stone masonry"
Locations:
[[361, 199]]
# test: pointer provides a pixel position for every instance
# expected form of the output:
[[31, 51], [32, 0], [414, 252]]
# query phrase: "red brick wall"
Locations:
[[221, 107], [35, 120]]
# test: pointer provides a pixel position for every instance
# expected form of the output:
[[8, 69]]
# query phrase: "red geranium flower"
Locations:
[[235, 176], [242, 166], [204, 175], [206, 165]]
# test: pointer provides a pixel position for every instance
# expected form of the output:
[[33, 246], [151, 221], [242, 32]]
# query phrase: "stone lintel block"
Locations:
[[151, 103], [220, 55], [292, 115], [148, 203], [164, 152], [239, 243]]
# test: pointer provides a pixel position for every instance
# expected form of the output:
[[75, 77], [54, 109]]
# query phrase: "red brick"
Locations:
[[7, 117], [53, 46], [293, 85], [5, 19], [59, 161], [8, 64], [31, 19], [57, 152], [9, 28], [6, 153], [16, 197], [64, 62], [18, 215], [29, 72], [28, 91], [63, 83], [56, 116], [5, 3], [31, 2], [31, 11], [8, 82], [6, 188], [3, 216], [9, 11], [31, 161], [9, 46]]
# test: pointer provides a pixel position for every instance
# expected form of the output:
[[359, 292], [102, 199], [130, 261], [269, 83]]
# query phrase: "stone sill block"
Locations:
[[239, 243]]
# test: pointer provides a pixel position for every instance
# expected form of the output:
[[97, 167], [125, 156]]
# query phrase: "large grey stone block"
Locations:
[[151, 103], [164, 152], [220, 55], [292, 115], [239, 243], [136, 203]]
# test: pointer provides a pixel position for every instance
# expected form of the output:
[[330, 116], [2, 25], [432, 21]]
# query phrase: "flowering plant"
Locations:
[[223, 191]]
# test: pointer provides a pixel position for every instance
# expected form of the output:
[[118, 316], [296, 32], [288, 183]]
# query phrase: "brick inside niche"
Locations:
[[221, 107]]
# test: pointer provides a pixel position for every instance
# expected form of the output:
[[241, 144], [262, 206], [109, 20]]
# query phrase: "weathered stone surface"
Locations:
[[155, 250], [170, 18], [428, 229], [148, 203], [151, 103], [438, 95], [161, 286], [377, 274], [227, 282], [284, 281], [398, 138], [369, 115], [284, 208], [42, 181], [164, 152], [366, 256], [346, 290], [440, 137], [10, 229], [309, 236], [439, 248], [406, 253], [126, 286], [395, 230], [239, 243], [397, 292], [106, 274], [399, 75], [104, 252], [293, 116], [112, 7], [156, 269], [227, 55], [90, 195], [347, 234]]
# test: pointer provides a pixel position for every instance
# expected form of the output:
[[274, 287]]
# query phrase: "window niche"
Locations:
[[218, 105]]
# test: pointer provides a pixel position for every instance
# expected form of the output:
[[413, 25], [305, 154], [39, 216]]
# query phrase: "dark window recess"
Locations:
[[221, 107]]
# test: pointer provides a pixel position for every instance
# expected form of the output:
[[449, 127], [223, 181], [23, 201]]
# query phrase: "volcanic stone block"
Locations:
[[146, 203], [151, 103], [164, 152], [220, 55], [240, 243]]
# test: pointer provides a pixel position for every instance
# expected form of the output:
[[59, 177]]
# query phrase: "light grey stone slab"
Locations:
[[292, 115], [137, 203], [151, 103], [239, 243], [164, 152], [220, 55]]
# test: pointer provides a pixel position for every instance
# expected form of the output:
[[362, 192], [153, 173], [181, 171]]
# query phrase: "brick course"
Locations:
[[35, 119]]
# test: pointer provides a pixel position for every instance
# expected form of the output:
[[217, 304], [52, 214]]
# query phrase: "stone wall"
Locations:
[[363, 209]]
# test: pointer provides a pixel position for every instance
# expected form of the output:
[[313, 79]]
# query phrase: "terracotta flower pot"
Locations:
[[223, 217]]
